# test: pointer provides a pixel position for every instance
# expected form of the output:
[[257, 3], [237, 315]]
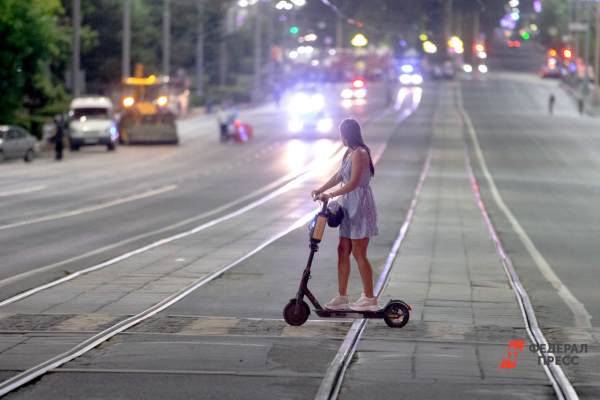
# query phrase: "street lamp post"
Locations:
[[126, 49], [166, 56], [75, 84], [257, 53]]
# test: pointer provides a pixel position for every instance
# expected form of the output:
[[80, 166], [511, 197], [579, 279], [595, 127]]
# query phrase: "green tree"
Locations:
[[33, 52]]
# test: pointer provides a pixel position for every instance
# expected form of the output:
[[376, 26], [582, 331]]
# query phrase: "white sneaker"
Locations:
[[338, 303], [365, 304]]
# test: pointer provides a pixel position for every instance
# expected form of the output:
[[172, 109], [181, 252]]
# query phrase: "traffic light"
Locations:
[[525, 35], [294, 30], [567, 53]]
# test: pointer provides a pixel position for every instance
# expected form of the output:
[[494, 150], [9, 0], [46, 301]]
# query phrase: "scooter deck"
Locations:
[[349, 314]]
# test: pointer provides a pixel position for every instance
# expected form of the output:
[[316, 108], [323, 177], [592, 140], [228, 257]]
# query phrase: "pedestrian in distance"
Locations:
[[580, 106], [58, 137], [551, 101], [360, 216]]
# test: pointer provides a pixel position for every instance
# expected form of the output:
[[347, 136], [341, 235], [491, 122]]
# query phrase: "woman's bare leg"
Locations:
[[344, 250], [359, 251]]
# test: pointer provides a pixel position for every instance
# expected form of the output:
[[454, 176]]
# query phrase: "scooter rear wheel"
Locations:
[[396, 314], [296, 318]]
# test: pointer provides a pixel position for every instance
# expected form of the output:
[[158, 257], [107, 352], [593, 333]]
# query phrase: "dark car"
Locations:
[[16, 142]]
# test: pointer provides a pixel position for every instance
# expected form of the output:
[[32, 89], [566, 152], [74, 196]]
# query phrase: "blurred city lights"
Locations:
[[359, 40], [483, 68], [429, 47], [423, 37], [324, 125], [298, 3], [407, 68], [311, 37], [294, 30], [467, 68], [456, 45]]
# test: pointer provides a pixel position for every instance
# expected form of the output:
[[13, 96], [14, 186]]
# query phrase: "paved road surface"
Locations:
[[240, 213]]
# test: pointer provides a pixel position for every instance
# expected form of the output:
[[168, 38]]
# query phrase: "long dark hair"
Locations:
[[350, 130]]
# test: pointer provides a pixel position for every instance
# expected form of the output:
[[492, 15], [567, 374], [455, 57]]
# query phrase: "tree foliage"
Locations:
[[32, 56]]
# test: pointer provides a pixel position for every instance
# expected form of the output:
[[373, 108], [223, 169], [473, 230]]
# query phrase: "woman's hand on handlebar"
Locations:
[[315, 194], [324, 197]]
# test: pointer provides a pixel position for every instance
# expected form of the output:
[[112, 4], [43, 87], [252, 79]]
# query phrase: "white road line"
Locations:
[[285, 188], [336, 152], [24, 377], [582, 317], [83, 210], [22, 191], [561, 384]]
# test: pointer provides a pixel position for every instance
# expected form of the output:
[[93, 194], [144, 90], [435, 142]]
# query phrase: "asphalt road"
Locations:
[[226, 339]]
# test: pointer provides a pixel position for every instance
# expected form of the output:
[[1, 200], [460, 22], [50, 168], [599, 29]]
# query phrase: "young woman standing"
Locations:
[[360, 216]]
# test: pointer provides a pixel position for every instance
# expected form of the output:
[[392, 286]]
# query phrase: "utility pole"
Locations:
[[200, 50], [586, 50], [597, 52], [257, 52], [166, 53], [339, 33], [447, 20], [126, 49], [75, 84], [270, 43]]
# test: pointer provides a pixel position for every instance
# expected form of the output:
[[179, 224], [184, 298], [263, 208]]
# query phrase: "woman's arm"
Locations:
[[334, 180], [359, 158]]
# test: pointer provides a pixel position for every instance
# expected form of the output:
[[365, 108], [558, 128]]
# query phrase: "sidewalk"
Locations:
[[464, 310]]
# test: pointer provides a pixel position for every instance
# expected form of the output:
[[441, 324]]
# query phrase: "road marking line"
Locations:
[[582, 317], [274, 374], [289, 178], [561, 384], [336, 152], [83, 210], [28, 375], [22, 191]]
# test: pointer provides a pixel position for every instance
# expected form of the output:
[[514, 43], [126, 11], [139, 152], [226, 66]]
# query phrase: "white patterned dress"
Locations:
[[360, 213]]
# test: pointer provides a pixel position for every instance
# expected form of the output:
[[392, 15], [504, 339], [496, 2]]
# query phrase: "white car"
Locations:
[[91, 122]]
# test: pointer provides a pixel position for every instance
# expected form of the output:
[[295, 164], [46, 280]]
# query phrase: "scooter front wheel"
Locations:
[[293, 316], [396, 314]]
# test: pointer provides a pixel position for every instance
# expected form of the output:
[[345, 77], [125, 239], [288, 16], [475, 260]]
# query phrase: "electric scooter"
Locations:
[[395, 313]]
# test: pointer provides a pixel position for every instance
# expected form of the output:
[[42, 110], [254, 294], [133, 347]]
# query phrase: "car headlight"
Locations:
[[360, 93], [128, 101], [295, 125], [404, 79], [416, 79], [162, 101], [483, 68], [346, 93], [324, 125]]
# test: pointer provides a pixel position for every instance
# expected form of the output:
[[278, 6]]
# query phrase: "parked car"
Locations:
[[91, 122], [16, 142]]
